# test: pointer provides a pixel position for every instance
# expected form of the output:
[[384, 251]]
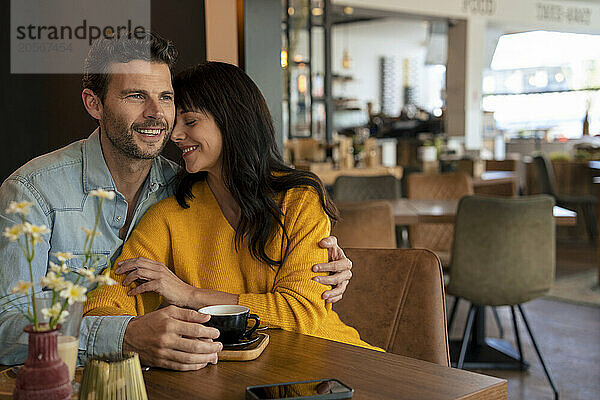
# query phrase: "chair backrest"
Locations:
[[367, 224], [361, 188], [504, 249], [450, 186], [396, 301], [545, 175], [306, 149]]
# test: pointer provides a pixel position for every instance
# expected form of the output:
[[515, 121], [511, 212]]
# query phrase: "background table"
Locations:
[[497, 183], [294, 357], [412, 212]]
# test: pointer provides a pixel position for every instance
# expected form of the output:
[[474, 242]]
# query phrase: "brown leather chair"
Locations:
[[396, 301], [450, 186], [367, 224]]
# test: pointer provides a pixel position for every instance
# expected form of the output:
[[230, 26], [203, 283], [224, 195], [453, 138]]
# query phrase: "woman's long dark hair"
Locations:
[[253, 170]]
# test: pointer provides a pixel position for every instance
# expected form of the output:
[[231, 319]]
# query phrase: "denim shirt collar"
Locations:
[[96, 173]]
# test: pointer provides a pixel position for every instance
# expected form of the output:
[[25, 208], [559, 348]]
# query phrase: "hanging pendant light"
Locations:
[[284, 58], [346, 60]]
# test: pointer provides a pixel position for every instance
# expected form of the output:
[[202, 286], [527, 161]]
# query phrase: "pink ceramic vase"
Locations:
[[44, 376]]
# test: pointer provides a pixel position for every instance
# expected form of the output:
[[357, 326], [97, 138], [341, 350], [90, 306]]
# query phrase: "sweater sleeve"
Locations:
[[295, 301], [150, 239]]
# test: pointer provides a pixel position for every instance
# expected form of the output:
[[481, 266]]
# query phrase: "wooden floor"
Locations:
[[568, 335]]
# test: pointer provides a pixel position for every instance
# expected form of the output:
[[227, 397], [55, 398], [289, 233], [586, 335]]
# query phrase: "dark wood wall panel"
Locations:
[[41, 113]]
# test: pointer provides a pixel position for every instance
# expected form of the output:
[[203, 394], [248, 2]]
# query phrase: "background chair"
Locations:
[[361, 188], [450, 186], [396, 301], [586, 203], [503, 255], [368, 224]]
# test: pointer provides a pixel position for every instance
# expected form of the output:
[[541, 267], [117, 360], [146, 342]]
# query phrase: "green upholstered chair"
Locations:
[[362, 188], [503, 254]]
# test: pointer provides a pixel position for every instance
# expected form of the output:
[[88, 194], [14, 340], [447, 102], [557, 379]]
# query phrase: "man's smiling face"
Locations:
[[138, 112]]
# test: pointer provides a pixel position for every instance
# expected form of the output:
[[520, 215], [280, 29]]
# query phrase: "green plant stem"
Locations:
[[89, 243], [33, 303]]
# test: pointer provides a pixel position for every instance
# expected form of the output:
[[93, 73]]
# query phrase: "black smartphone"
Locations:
[[321, 389]]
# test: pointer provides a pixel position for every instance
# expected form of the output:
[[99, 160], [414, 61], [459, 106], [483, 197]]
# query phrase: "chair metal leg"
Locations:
[[517, 337], [589, 215], [453, 314], [497, 318], [466, 336], [537, 350]]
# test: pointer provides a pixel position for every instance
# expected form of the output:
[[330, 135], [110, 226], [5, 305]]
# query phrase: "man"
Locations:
[[132, 99]]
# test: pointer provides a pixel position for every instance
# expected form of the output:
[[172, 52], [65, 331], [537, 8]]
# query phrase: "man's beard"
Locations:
[[122, 136]]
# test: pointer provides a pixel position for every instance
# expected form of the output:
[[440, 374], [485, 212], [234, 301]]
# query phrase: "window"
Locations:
[[544, 81]]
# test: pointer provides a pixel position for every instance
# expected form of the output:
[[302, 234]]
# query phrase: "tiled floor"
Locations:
[[568, 335]]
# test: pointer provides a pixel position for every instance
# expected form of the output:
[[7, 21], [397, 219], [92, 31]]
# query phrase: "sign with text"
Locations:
[[54, 37], [560, 13], [480, 7]]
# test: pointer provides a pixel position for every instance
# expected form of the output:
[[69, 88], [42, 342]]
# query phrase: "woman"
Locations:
[[260, 221]]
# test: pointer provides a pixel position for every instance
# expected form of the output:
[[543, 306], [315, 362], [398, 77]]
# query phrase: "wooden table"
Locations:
[[412, 212], [497, 183], [294, 357]]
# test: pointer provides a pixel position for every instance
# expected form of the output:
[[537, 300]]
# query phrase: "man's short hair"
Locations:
[[147, 46]]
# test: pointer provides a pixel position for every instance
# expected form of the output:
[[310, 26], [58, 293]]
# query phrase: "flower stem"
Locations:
[[33, 303]]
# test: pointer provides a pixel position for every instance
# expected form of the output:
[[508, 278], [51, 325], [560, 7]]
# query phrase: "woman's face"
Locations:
[[200, 140]]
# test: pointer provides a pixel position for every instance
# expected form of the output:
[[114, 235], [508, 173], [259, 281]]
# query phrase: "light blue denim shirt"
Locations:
[[58, 184]]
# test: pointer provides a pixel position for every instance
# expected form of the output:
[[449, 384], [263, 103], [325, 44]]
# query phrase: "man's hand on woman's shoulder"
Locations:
[[340, 268]]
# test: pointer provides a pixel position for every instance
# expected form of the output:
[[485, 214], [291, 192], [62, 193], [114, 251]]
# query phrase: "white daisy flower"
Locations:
[[13, 232], [103, 194], [22, 287], [87, 272], [74, 293], [19, 208], [49, 280], [105, 280], [63, 315], [63, 256], [54, 282], [54, 312], [35, 231], [58, 269]]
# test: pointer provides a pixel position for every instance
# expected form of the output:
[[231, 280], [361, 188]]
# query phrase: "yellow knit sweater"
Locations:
[[198, 245]]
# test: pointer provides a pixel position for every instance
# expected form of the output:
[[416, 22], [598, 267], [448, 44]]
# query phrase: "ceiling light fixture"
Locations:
[[284, 58]]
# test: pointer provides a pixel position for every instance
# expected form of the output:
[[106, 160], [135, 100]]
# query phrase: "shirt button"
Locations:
[[119, 218]]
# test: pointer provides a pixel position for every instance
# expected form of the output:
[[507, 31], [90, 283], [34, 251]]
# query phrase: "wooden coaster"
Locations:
[[8, 379], [247, 353]]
